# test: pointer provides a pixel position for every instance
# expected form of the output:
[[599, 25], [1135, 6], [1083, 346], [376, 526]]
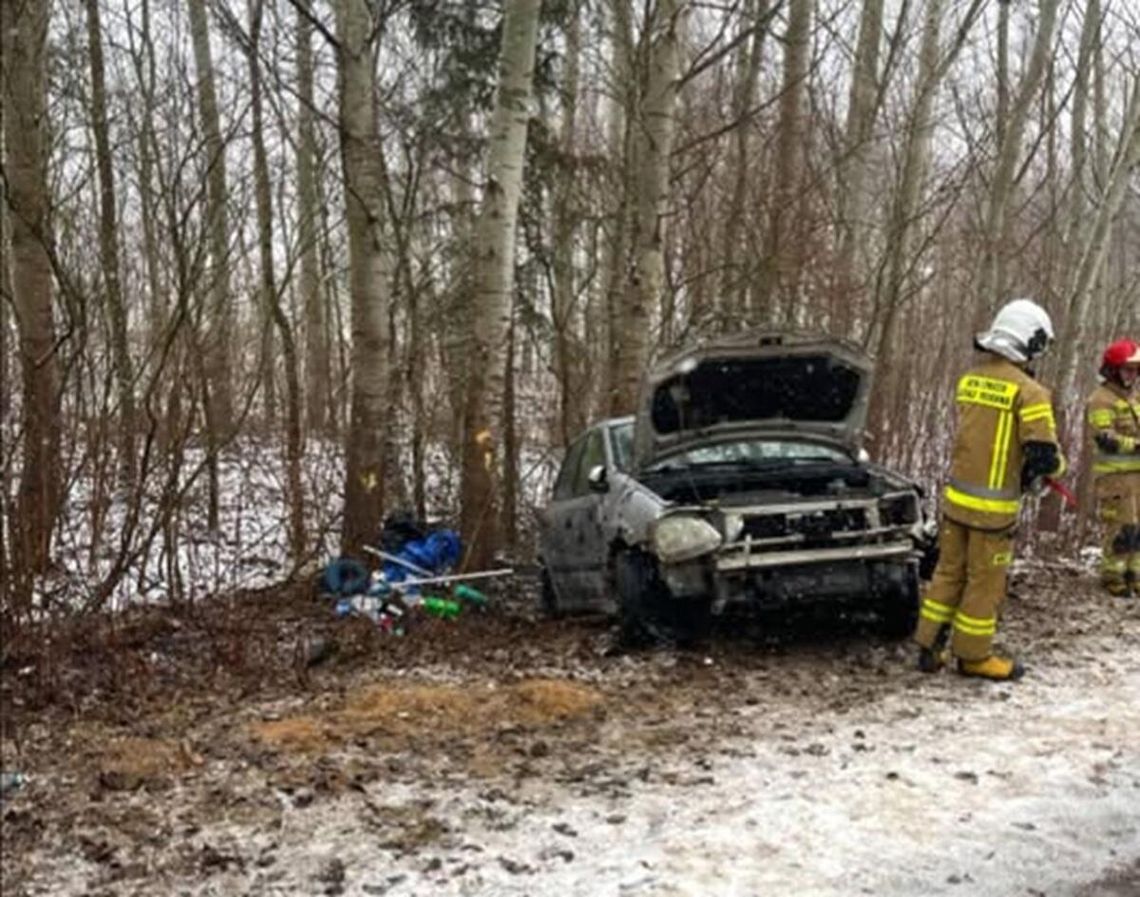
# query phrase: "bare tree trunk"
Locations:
[[318, 394], [417, 353], [854, 169], [510, 445], [364, 201], [993, 281], [143, 61], [567, 344], [654, 137], [457, 307], [494, 272], [294, 495], [1076, 232], [731, 301], [621, 146], [109, 248], [1002, 123], [7, 378], [221, 330], [26, 154], [779, 275]]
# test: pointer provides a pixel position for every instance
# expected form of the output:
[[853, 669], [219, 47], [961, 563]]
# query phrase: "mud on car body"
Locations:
[[739, 484]]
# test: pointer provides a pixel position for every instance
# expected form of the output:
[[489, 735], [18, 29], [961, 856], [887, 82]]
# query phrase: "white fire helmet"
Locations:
[[1021, 331]]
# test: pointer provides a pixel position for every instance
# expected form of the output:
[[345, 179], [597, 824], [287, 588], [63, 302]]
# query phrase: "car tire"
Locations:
[[899, 613], [547, 598], [647, 613]]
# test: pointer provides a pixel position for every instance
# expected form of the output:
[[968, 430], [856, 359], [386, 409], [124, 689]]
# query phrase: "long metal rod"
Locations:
[[455, 577], [397, 560], [431, 580]]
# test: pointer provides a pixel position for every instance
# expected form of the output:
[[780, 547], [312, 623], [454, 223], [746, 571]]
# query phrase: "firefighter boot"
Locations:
[[1001, 669], [934, 658]]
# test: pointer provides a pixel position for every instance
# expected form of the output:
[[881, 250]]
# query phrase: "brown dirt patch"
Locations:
[[128, 763], [434, 711]]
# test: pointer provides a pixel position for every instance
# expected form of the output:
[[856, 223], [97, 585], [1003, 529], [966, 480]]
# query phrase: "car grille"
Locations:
[[815, 527]]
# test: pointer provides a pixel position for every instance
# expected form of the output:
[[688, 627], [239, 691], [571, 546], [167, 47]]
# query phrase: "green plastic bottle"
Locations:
[[441, 607], [470, 595]]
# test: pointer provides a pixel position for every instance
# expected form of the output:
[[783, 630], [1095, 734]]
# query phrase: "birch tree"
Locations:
[[493, 255], [368, 276], [655, 126]]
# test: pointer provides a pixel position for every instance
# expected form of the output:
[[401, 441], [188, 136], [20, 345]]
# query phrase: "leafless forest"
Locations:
[[293, 263], [272, 269]]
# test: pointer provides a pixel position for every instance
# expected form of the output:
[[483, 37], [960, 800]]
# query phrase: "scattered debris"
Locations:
[[11, 781]]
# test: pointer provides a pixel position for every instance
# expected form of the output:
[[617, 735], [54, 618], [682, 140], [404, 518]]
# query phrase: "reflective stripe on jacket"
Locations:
[[1113, 412], [1000, 408]]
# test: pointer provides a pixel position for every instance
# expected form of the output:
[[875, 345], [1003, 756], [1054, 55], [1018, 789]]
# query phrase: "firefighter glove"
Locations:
[[1106, 442], [1042, 459]]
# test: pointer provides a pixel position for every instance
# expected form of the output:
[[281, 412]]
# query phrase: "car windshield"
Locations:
[[758, 453], [621, 440]]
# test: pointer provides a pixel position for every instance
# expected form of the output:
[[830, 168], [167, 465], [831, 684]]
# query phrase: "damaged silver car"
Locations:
[[740, 483]]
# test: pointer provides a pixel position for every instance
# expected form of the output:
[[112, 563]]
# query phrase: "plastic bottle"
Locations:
[[363, 605], [470, 595], [441, 607]]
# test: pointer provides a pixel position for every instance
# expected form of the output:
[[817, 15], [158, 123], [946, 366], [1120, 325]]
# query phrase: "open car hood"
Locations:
[[757, 384]]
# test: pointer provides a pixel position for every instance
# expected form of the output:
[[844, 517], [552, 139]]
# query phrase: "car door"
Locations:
[[574, 549]]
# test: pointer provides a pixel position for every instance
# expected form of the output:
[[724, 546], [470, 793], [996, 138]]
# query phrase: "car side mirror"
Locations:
[[863, 456], [597, 478]]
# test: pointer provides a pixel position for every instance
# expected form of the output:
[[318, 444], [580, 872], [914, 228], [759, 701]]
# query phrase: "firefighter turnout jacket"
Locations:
[[1002, 412], [1113, 427], [1006, 438]]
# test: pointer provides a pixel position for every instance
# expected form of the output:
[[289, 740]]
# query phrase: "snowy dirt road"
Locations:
[[514, 757]]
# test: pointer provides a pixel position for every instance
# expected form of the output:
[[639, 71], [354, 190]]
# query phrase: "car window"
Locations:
[[564, 485], [621, 442], [759, 451], [593, 453]]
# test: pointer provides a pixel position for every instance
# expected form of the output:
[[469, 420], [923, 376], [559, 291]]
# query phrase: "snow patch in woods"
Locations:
[[187, 561]]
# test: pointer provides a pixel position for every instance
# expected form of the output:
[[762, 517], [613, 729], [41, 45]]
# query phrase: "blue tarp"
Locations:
[[436, 553]]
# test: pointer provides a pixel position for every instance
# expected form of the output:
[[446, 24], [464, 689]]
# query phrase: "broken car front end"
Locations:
[[790, 553]]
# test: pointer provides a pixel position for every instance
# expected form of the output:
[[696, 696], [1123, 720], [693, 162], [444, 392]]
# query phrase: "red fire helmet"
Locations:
[[1120, 353]]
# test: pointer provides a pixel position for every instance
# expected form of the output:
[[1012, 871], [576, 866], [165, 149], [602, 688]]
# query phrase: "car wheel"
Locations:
[[899, 612], [548, 598], [647, 613]]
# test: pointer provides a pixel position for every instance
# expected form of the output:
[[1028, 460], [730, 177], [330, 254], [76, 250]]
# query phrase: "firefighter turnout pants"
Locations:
[[967, 590], [1119, 512]]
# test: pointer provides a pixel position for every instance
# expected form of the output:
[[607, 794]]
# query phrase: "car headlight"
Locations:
[[733, 527], [682, 538], [899, 510]]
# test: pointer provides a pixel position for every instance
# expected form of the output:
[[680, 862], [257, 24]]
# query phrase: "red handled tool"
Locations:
[[1062, 490]]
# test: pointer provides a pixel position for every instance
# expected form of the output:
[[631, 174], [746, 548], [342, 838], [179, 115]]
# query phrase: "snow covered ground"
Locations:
[[810, 765]]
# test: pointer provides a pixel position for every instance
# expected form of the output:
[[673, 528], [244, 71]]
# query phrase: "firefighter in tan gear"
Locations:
[[1006, 444], [1114, 432]]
